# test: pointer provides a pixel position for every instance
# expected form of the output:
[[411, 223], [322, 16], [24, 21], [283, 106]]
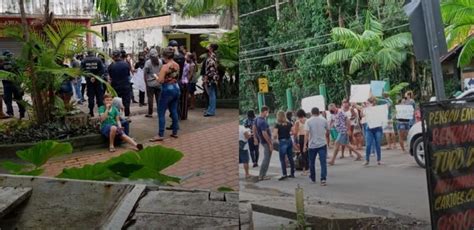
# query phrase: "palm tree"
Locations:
[[227, 8], [369, 48], [459, 16]]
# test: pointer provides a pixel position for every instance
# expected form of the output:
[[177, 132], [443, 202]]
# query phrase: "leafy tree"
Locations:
[[143, 8], [369, 48], [226, 8], [459, 16]]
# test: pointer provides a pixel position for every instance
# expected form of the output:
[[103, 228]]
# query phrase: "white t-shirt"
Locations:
[[242, 131]]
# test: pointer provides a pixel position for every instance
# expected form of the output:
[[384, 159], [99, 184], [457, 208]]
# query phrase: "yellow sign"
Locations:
[[263, 85]]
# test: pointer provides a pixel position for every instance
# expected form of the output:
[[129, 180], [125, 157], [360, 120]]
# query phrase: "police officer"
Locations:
[[11, 89], [93, 65], [119, 72]]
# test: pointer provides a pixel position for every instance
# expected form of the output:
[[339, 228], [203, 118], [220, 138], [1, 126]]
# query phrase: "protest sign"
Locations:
[[376, 116], [448, 136], [138, 80], [377, 88], [405, 112], [360, 93], [308, 103]]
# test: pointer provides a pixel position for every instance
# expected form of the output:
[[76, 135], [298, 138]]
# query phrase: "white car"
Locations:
[[415, 134]]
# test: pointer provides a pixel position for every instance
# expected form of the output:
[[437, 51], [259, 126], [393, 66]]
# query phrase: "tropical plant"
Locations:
[[459, 17], [146, 164], [36, 157], [40, 69], [226, 8], [369, 48]]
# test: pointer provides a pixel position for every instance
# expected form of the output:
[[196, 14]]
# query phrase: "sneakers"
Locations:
[[282, 178]]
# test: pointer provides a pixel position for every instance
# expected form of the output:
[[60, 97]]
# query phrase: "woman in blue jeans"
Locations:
[[282, 133], [170, 92], [373, 137]]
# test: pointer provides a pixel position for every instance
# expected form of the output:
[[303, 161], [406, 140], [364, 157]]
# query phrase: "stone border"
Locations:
[[80, 143]]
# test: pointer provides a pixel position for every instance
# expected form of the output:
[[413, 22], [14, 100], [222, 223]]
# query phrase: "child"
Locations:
[[117, 103], [111, 126]]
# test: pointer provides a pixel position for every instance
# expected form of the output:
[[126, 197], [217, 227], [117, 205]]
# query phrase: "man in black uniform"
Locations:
[[119, 73], [11, 89], [94, 65]]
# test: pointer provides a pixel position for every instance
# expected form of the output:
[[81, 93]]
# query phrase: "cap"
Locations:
[[116, 53], [153, 53], [173, 43]]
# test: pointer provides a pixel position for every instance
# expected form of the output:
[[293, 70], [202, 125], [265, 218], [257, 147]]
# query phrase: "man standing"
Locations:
[[315, 138], [93, 65], [12, 90], [153, 87], [261, 130], [119, 73], [210, 79], [342, 126], [77, 81]]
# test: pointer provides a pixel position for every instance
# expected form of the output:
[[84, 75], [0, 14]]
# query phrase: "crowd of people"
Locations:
[[169, 79], [299, 141]]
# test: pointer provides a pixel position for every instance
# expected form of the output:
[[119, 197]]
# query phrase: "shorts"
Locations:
[[191, 87], [333, 133], [105, 130], [388, 127], [243, 154], [403, 126], [342, 138]]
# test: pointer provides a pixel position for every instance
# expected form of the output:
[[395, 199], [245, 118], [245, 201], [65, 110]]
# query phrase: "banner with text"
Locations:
[[308, 103], [449, 147], [360, 93]]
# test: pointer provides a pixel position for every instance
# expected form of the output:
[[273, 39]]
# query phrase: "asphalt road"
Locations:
[[397, 187]]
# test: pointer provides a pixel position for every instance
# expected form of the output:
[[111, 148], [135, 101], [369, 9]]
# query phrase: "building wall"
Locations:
[[160, 21], [61, 8], [133, 39]]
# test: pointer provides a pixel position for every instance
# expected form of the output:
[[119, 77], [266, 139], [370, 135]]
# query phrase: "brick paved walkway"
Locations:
[[210, 155]]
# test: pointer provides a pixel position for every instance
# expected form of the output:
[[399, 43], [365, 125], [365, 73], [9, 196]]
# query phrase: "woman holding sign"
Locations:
[[404, 116], [374, 130]]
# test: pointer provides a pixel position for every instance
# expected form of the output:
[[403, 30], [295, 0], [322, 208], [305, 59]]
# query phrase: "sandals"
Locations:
[[111, 149], [155, 139], [264, 178]]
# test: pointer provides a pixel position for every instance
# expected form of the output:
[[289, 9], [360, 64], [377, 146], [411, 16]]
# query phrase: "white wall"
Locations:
[[133, 39], [61, 8]]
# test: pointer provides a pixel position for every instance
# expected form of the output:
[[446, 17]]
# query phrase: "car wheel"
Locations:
[[419, 151]]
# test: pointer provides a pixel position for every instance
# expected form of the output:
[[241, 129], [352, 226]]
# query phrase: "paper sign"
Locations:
[[308, 103], [138, 80], [360, 93], [377, 88], [468, 83], [376, 116], [405, 112]]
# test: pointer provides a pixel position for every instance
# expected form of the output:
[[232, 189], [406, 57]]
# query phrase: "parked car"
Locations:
[[415, 134]]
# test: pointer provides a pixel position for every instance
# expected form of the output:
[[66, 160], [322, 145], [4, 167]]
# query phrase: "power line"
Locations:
[[307, 48], [262, 9]]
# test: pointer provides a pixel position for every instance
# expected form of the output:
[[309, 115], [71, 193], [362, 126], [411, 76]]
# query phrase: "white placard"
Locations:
[[308, 103], [360, 93], [376, 116], [138, 80], [405, 112]]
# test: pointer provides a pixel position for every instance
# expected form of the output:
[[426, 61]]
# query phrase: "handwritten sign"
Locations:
[[377, 88], [308, 103], [376, 116], [360, 93], [449, 155], [405, 112]]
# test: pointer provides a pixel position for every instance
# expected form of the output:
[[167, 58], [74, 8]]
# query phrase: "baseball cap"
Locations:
[[173, 43], [153, 53]]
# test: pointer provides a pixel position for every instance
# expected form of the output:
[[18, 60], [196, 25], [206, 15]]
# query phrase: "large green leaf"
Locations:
[[338, 56], [358, 60], [158, 157], [467, 53], [400, 40], [13, 167], [43, 151], [98, 171]]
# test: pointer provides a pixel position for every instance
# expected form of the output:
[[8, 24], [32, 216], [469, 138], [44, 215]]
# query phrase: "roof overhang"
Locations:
[[201, 31]]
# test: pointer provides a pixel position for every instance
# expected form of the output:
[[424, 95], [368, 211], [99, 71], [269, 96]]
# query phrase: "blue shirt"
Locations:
[[262, 126], [119, 72]]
